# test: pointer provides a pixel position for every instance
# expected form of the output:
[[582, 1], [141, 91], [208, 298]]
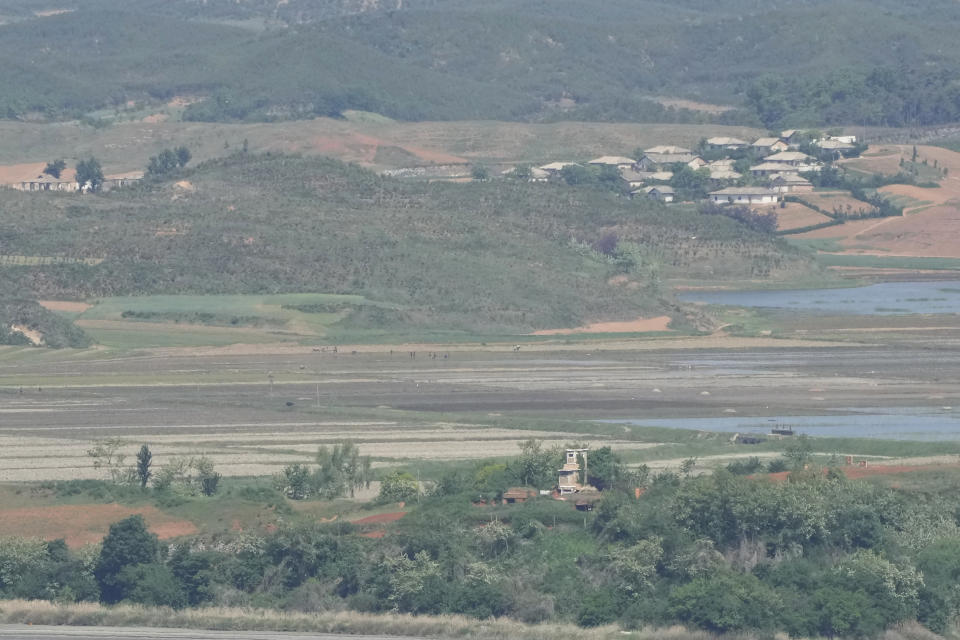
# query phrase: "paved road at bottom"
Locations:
[[37, 632]]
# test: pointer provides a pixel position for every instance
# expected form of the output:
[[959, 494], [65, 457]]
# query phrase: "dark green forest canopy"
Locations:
[[500, 254], [853, 62]]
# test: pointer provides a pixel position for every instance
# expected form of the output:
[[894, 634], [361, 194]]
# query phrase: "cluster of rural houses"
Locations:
[[776, 174], [67, 182]]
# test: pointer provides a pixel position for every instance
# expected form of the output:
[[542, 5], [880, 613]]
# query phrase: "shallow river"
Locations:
[[911, 423], [878, 299]]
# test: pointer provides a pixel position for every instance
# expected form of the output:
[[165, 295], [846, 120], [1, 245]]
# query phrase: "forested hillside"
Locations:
[[783, 63], [488, 255]]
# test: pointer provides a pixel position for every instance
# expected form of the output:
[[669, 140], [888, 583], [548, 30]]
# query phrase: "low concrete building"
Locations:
[[620, 162], [661, 161], [726, 163], [765, 169], [769, 145], [722, 142], [745, 195], [535, 174], [67, 182], [793, 137], [666, 148], [791, 183], [634, 178], [724, 173], [795, 158], [46, 183], [556, 167], [661, 193], [835, 145], [117, 180]]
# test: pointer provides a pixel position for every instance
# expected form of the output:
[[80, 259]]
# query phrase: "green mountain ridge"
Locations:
[[853, 62]]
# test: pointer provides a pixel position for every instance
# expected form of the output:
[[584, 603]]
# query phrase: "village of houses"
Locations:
[[779, 165], [776, 173]]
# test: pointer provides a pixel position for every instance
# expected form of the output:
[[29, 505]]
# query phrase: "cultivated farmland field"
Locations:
[[928, 229], [796, 215], [253, 409]]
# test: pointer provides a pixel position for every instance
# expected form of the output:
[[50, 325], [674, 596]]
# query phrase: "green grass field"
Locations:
[[215, 320], [887, 262]]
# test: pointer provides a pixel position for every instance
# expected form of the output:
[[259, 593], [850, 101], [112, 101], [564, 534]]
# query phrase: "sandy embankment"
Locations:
[[640, 325]]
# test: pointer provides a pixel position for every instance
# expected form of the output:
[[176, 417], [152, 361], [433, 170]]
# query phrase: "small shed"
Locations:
[[519, 494]]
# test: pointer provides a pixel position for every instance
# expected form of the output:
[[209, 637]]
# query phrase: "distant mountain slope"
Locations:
[[72, 63], [800, 62], [482, 256]]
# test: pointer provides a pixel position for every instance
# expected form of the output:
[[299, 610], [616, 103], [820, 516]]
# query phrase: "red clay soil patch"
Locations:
[[362, 148], [856, 472], [796, 215], [381, 518], [640, 325], [834, 200], [890, 469], [86, 523], [10, 173], [373, 534]]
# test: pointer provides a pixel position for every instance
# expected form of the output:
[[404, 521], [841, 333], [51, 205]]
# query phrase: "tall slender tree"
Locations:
[[144, 462]]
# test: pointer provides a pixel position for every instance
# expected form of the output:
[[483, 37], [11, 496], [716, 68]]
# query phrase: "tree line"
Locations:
[[807, 552]]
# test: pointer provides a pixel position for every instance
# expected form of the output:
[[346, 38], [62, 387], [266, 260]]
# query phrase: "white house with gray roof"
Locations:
[[745, 195]]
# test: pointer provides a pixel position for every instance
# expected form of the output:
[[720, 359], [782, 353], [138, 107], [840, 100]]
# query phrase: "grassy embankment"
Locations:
[[35, 612], [223, 618]]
